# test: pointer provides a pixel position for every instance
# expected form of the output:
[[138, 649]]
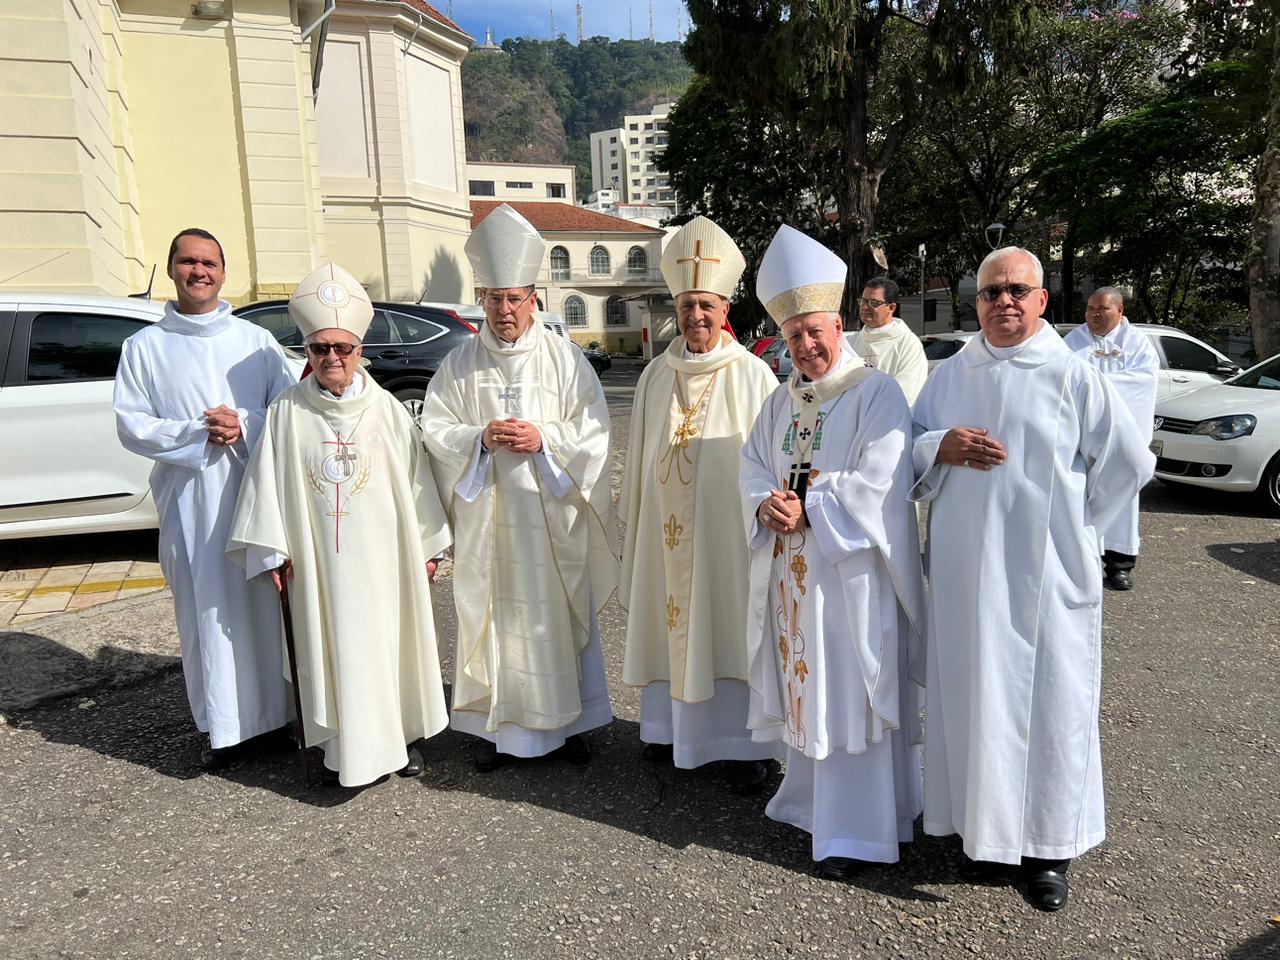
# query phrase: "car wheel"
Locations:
[[411, 397], [1269, 488]]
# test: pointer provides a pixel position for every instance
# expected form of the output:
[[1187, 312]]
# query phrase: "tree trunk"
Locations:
[[1068, 274], [1262, 264]]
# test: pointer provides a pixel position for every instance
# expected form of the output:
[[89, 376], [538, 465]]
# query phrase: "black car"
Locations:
[[405, 344]]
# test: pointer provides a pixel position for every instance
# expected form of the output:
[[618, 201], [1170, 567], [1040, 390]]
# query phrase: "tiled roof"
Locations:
[[559, 217], [423, 7]]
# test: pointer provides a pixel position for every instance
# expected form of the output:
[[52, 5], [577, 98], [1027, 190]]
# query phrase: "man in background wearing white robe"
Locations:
[[886, 342], [684, 562], [339, 508], [836, 591], [1025, 453], [191, 394], [1126, 358], [517, 427]]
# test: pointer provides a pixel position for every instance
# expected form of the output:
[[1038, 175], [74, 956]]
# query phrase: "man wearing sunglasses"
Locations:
[[1024, 453], [517, 427], [885, 342]]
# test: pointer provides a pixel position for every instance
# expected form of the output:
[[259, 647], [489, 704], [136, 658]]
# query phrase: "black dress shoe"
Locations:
[[329, 778], [1120, 580], [979, 871], [1047, 889], [417, 762], [840, 868], [659, 752], [217, 758], [748, 778], [487, 758], [575, 750]]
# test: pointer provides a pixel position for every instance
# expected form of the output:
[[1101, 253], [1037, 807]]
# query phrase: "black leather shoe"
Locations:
[[840, 868], [576, 750], [217, 758], [329, 778], [417, 762], [487, 757], [969, 870], [659, 752], [1120, 580], [748, 778], [1047, 889]]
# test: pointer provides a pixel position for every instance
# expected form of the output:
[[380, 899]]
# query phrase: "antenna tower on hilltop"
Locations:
[[651, 21], [579, 24], [631, 27], [553, 21]]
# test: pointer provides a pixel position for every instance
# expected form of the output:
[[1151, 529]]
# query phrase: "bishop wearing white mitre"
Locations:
[[836, 594], [338, 507], [518, 431], [191, 394], [1025, 454], [684, 562], [1125, 356]]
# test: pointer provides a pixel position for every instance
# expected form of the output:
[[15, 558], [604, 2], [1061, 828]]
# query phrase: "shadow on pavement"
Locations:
[[48, 551], [1264, 947], [676, 808], [1161, 497], [34, 668], [1261, 560]]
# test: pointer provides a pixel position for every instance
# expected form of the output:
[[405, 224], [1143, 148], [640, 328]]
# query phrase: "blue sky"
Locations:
[[532, 18]]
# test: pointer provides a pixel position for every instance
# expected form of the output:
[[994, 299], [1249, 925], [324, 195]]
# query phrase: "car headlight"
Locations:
[[1226, 428]]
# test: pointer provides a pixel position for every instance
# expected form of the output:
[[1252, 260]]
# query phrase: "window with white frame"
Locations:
[[637, 262], [559, 264], [615, 312], [599, 262], [575, 311]]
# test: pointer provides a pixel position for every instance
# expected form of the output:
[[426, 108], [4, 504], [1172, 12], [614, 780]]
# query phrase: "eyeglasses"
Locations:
[[1019, 291], [872, 304], [511, 300], [322, 349]]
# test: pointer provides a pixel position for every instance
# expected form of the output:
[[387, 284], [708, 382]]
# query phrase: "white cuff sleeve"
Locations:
[[839, 536], [473, 478], [929, 473], [260, 560], [554, 477]]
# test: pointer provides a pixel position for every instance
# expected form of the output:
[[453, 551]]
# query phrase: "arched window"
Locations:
[[575, 312], [637, 262], [599, 262], [559, 264], [615, 312]]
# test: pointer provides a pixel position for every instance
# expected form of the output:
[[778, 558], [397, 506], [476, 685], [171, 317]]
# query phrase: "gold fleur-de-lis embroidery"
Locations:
[[673, 528], [802, 670], [673, 613], [799, 567]]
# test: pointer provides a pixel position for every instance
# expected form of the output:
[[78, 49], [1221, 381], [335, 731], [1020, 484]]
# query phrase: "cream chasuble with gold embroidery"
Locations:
[[344, 490], [534, 558], [684, 579]]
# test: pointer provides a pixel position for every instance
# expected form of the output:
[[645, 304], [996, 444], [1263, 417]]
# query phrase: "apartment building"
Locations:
[[505, 182], [622, 160]]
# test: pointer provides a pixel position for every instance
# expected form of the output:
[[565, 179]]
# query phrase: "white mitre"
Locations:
[[505, 251], [329, 299], [701, 256], [799, 275]]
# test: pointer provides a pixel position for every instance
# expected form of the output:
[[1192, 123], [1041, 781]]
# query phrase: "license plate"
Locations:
[[1157, 447]]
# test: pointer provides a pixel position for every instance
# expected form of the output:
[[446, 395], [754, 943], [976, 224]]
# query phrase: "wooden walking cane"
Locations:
[[300, 728]]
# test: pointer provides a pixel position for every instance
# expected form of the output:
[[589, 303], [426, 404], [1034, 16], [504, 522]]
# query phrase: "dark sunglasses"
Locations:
[[1019, 291], [322, 349]]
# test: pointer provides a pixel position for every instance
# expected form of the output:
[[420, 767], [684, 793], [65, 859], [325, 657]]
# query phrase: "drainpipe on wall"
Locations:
[[317, 56]]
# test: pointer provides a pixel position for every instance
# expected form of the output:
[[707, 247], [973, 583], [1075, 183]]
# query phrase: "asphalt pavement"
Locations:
[[113, 842]]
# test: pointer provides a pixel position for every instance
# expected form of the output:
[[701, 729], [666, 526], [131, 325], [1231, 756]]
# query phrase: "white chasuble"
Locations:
[[836, 609], [534, 555], [684, 561], [1015, 595], [343, 488], [1128, 361], [896, 350], [169, 374]]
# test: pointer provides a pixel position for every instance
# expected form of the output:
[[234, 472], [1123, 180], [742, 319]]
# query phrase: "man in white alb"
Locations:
[[684, 562], [191, 394], [339, 509], [1025, 454], [836, 594], [1127, 359], [885, 341], [517, 428]]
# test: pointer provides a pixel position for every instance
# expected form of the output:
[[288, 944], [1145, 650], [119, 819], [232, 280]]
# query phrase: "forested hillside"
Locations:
[[541, 101]]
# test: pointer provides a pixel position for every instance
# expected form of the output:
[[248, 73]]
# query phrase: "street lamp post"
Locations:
[[921, 254], [998, 230]]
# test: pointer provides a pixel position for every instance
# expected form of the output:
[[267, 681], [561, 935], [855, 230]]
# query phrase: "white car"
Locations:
[[1185, 362], [64, 468], [940, 346], [1225, 436]]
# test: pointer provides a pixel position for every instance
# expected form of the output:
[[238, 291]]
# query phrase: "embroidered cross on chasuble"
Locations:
[[510, 397]]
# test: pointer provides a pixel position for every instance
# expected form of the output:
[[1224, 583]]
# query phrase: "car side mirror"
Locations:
[[1225, 370]]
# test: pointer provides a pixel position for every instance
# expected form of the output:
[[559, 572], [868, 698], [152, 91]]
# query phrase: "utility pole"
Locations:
[[579, 24], [922, 288]]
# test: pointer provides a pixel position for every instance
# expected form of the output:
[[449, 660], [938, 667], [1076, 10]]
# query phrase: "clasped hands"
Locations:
[[782, 512], [970, 447], [518, 436], [223, 425]]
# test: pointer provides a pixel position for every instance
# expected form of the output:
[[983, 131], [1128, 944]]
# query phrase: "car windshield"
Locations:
[[941, 349], [1265, 376]]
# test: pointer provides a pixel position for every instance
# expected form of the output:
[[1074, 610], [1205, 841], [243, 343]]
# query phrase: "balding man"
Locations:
[[1025, 453], [1128, 361]]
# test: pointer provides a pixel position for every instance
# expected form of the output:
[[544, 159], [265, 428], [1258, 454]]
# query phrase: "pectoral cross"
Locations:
[[697, 260], [510, 398], [799, 478]]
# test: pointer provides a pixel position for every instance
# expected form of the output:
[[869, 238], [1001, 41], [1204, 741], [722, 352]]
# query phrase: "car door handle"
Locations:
[[1181, 379], [391, 354]]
